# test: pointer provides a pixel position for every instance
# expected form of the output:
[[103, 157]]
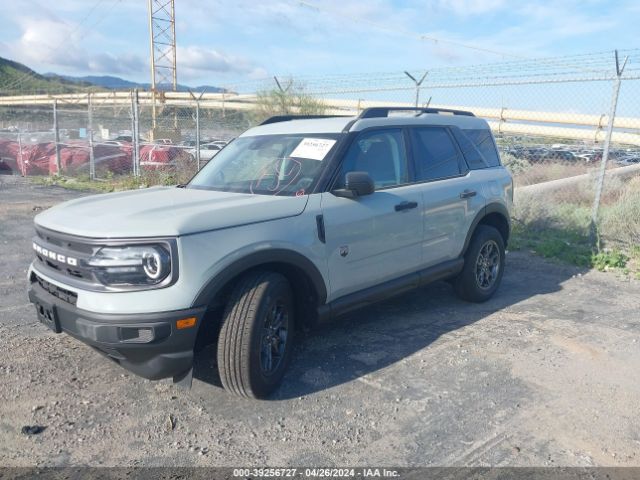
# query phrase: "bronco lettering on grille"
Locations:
[[45, 252]]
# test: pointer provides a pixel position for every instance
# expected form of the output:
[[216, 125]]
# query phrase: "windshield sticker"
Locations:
[[313, 148]]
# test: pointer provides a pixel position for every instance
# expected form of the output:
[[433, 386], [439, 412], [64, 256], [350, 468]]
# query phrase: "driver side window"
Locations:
[[380, 153]]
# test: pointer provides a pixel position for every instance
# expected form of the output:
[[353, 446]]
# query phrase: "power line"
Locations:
[[421, 37], [405, 32]]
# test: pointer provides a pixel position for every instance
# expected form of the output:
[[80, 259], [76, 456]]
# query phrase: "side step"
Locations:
[[389, 289]]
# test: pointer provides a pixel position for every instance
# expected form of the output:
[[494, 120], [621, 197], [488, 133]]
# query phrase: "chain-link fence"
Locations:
[[559, 123], [101, 138]]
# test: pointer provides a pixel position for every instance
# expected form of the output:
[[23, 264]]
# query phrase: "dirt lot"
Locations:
[[545, 374]]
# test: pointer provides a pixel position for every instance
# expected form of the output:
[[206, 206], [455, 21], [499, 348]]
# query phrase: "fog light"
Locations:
[[136, 335]]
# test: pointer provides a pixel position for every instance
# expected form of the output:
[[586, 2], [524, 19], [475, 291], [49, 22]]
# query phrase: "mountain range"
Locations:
[[117, 83], [18, 79]]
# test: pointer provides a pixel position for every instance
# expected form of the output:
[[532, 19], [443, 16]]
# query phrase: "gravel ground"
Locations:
[[544, 374]]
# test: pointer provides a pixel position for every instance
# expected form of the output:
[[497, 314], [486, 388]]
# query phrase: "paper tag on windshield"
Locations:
[[313, 148]]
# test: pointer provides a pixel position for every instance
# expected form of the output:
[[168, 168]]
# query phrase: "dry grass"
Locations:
[[556, 223], [545, 172], [620, 220]]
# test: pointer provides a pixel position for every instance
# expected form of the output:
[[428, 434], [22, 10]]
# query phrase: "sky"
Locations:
[[222, 42]]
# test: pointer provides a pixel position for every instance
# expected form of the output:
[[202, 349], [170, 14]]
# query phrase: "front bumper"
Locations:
[[147, 344]]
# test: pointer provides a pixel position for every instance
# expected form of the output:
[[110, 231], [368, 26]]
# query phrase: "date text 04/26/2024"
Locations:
[[316, 472]]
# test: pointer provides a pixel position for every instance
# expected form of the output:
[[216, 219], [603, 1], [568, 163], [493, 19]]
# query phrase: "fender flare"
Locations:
[[488, 209], [283, 256]]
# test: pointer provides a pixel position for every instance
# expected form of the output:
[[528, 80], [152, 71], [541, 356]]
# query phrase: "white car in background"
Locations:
[[207, 150]]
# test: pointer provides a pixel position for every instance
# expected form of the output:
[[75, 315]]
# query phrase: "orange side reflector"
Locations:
[[186, 323]]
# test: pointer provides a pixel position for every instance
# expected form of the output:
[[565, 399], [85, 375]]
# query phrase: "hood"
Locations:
[[164, 211]]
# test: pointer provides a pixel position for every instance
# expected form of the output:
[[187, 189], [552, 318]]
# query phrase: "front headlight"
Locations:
[[132, 264]]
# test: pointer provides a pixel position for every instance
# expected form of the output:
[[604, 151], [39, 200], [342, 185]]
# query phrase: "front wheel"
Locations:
[[483, 266], [256, 337]]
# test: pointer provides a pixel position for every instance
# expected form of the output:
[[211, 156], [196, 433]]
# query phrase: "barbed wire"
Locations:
[[579, 67]]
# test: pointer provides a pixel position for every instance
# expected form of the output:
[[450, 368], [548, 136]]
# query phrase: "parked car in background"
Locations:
[[115, 143], [207, 151], [628, 160], [585, 157], [534, 154], [161, 156], [559, 155]]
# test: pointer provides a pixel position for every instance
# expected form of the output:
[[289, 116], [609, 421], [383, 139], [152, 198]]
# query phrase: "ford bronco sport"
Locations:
[[295, 221]]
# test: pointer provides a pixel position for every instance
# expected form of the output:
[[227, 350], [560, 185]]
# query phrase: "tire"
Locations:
[[481, 276], [256, 337]]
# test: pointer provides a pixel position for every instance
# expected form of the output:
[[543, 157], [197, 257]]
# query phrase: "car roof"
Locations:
[[338, 124], [314, 125]]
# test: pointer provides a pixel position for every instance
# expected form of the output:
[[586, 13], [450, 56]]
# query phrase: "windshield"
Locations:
[[268, 164]]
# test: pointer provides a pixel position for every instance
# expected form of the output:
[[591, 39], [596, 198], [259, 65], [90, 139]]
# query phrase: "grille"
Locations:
[[61, 293], [67, 247]]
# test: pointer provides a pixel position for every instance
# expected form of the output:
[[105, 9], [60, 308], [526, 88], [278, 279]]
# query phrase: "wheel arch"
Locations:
[[306, 281], [494, 215]]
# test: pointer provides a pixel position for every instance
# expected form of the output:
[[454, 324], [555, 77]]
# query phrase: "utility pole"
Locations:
[[605, 151], [418, 83], [162, 36]]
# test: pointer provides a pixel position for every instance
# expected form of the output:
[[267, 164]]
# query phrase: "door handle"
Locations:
[[405, 206], [468, 194]]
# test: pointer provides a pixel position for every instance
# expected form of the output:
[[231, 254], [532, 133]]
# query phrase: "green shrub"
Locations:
[[515, 165], [607, 259]]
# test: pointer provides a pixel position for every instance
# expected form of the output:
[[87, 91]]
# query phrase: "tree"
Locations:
[[289, 99]]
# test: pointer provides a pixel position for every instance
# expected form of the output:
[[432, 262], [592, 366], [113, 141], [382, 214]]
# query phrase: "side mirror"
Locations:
[[356, 184]]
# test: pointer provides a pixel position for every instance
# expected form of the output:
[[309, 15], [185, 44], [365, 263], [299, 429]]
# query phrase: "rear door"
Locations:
[[377, 237], [451, 197]]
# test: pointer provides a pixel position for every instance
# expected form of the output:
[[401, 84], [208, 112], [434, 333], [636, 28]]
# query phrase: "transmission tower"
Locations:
[[162, 34]]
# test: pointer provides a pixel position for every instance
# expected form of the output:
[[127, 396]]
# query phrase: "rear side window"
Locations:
[[435, 153], [472, 155], [483, 140]]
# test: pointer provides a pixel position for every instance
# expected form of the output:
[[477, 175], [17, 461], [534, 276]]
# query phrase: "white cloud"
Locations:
[[49, 43], [226, 40], [46, 43], [543, 28], [196, 61], [471, 7]]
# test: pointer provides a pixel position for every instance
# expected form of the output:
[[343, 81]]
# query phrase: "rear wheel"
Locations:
[[255, 342], [483, 266]]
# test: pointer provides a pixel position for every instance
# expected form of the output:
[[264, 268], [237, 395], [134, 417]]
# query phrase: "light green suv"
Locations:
[[297, 220]]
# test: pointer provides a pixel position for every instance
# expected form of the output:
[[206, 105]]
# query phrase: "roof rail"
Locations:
[[377, 112], [286, 118]]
